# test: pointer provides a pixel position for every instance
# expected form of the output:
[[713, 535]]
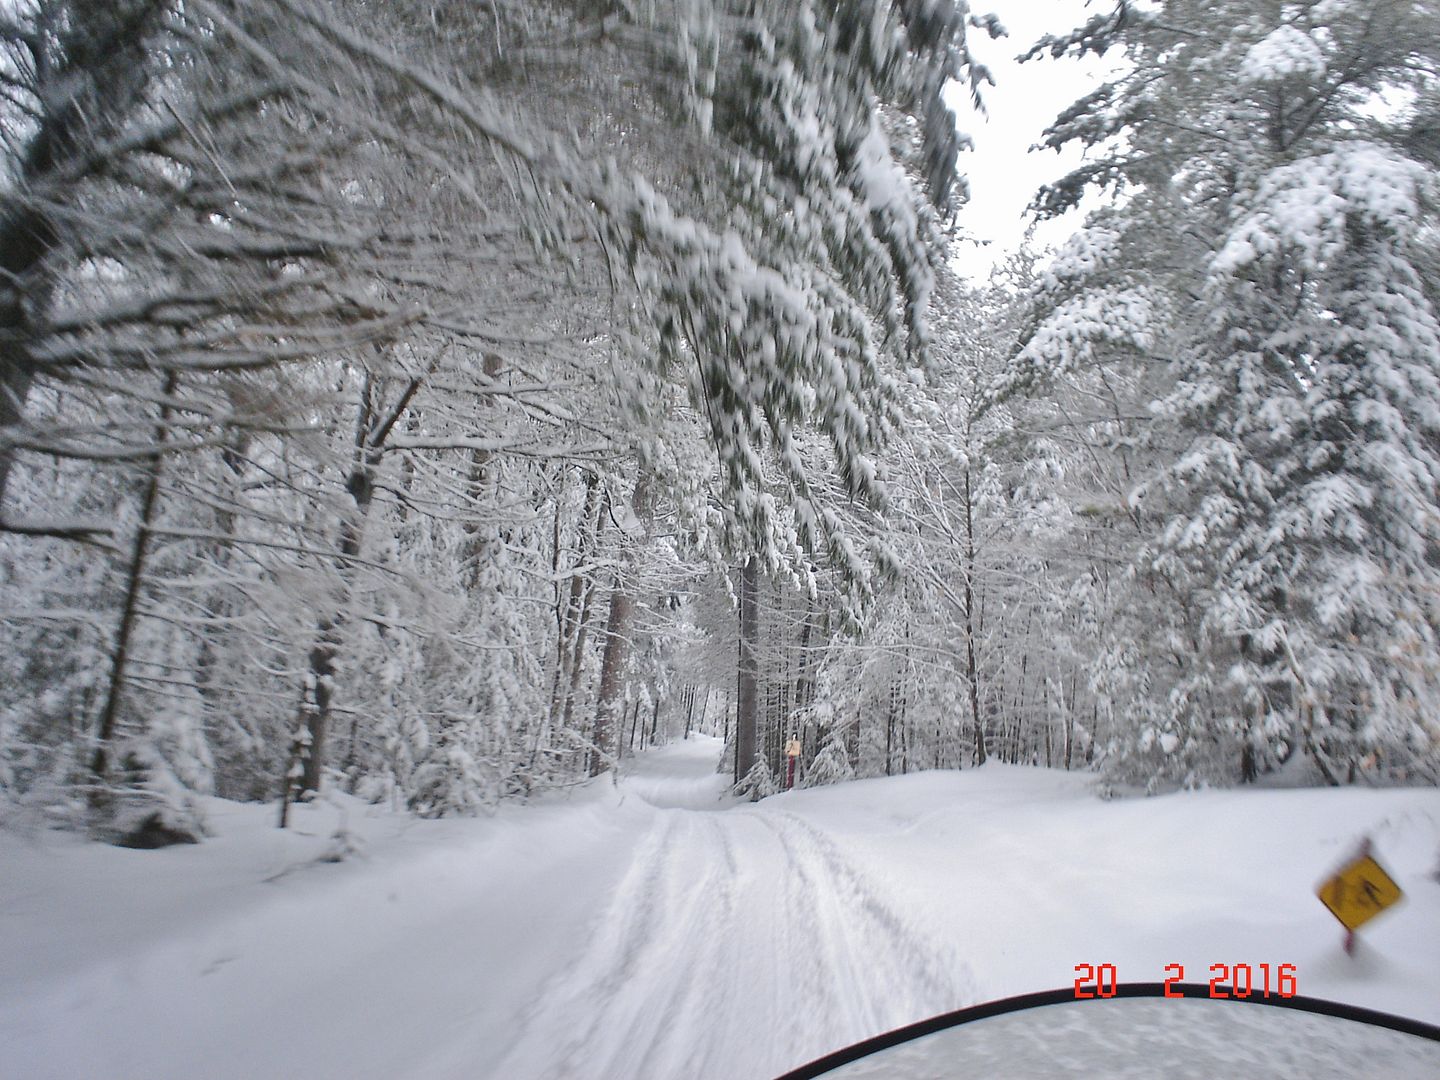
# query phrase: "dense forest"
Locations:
[[443, 399]]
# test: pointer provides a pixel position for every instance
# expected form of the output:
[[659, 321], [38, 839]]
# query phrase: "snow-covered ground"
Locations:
[[655, 929]]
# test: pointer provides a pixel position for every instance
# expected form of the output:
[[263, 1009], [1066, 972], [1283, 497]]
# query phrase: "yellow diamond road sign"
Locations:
[[1358, 892]]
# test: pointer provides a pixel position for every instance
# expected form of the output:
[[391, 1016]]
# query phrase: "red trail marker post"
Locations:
[[792, 753]]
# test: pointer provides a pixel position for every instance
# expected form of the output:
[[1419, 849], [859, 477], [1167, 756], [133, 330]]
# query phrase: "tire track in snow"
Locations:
[[931, 976], [875, 969], [737, 944], [621, 998], [675, 1051]]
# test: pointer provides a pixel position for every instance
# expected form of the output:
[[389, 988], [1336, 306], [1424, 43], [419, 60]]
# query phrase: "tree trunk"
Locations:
[[617, 629], [805, 679], [889, 730], [971, 674], [582, 629], [477, 546], [134, 579], [904, 730], [617, 637], [319, 693], [371, 431], [320, 678], [747, 669], [571, 615]]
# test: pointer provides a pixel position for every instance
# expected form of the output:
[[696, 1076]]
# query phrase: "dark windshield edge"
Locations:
[[865, 1048]]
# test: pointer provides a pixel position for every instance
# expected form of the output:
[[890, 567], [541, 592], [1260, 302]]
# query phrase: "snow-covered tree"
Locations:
[[1262, 282], [323, 308]]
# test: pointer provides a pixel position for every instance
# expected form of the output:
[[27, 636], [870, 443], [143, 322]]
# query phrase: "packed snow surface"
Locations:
[[655, 928]]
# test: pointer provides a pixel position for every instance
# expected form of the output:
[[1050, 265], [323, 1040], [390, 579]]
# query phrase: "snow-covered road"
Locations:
[[655, 929], [738, 934]]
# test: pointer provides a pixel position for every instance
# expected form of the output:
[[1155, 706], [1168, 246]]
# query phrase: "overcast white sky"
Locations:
[[1026, 98]]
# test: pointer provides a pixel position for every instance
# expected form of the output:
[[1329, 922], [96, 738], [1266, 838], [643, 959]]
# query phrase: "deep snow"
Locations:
[[654, 928]]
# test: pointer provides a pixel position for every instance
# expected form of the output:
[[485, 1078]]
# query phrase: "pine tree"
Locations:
[[1265, 282]]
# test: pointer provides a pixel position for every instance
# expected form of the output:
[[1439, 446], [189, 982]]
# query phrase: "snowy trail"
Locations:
[[656, 930], [741, 936]]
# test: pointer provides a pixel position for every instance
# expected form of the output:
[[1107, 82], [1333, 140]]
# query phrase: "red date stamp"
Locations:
[[1226, 980]]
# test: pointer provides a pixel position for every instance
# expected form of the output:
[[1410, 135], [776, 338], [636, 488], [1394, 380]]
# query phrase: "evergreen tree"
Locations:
[[1265, 280]]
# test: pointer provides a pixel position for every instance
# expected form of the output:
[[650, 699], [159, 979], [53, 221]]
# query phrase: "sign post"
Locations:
[[792, 752], [1357, 892]]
